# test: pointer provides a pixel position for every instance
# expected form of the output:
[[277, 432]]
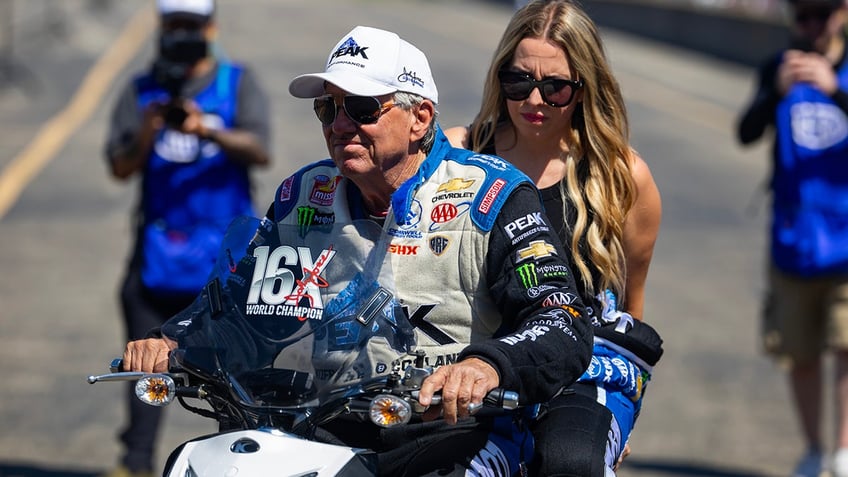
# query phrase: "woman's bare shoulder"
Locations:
[[458, 136]]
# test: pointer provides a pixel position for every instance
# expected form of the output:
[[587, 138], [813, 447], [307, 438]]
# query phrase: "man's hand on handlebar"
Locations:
[[461, 384], [148, 355]]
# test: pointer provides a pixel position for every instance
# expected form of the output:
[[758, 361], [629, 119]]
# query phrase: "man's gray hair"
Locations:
[[407, 101]]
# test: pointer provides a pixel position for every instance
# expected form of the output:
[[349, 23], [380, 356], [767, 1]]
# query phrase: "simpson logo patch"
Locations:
[[491, 195]]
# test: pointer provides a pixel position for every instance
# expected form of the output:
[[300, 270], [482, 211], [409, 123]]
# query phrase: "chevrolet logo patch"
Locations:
[[536, 250]]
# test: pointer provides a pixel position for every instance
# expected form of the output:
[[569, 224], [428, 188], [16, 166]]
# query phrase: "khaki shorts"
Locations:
[[802, 317]]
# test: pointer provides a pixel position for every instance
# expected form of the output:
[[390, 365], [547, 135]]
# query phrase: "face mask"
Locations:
[[183, 46], [179, 50]]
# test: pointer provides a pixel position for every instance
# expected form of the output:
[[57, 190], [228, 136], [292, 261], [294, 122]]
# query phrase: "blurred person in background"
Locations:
[[803, 95], [189, 127], [552, 107]]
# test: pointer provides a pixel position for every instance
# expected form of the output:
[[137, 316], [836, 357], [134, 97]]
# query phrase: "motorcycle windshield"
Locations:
[[315, 305]]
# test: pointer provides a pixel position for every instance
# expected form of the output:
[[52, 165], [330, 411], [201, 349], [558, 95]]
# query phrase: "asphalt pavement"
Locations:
[[716, 406]]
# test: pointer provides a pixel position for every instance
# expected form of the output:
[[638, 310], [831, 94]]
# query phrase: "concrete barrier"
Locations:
[[730, 36]]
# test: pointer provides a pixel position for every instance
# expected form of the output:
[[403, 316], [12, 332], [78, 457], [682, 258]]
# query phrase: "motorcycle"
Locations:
[[296, 328]]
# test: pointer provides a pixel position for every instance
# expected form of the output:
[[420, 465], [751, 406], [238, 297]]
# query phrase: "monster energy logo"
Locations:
[[527, 274], [305, 216], [309, 216]]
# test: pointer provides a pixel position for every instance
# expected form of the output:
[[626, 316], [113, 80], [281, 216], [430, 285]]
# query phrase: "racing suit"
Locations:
[[497, 288]]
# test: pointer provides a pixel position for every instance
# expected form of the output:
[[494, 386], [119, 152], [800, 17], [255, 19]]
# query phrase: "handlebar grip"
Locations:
[[501, 398], [498, 397]]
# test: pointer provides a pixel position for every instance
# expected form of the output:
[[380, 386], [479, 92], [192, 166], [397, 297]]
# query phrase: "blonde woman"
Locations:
[[552, 107]]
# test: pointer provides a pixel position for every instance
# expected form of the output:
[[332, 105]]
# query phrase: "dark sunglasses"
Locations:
[[809, 14], [360, 109], [556, 92]]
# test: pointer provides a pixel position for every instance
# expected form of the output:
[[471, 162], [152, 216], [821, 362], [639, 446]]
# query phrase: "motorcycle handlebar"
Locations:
[[498, 397]]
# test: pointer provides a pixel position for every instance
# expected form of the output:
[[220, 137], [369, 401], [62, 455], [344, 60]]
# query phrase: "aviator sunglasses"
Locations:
[[556, 92], [360, 109]]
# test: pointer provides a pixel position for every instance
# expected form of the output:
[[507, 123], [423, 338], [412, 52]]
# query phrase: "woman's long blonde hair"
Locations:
[[598, 180]]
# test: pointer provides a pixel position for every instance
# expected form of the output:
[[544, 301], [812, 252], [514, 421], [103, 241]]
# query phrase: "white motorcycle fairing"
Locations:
[[258, 452]]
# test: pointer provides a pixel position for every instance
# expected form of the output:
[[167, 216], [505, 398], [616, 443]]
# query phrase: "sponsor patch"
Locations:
[[527, 275], [559, 299], [550, 271], [530, 334], [443, 213], [455, 184], [413, 216], [429, 360], [349, 48], [536, 292], [309, 216], [451, 190], [324, 190], [491, 195], [402, 233], [491, 161], [571, 311], [521, 224], [536, 249], [818, 126], [402, 249], [436, 215], [439, 244], [287, 281], [286, 189], [409, 229]]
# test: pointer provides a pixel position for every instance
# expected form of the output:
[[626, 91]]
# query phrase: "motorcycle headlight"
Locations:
[[387, 410], [155, 390]]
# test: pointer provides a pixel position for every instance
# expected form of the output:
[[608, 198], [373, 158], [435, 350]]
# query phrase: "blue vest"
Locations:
[[810, 183], [190, 190]]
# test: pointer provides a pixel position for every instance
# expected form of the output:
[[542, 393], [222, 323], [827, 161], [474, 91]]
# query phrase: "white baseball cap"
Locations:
[[371, 62], [200, 10]]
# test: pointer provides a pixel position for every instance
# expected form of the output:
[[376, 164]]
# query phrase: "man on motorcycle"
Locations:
[[484, 278]]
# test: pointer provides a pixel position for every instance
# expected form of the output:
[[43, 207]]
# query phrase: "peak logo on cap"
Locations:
[[350, 48], [371, 62]]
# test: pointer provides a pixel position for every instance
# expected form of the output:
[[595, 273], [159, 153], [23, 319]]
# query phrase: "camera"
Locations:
[[179, 51], [803, 44]]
